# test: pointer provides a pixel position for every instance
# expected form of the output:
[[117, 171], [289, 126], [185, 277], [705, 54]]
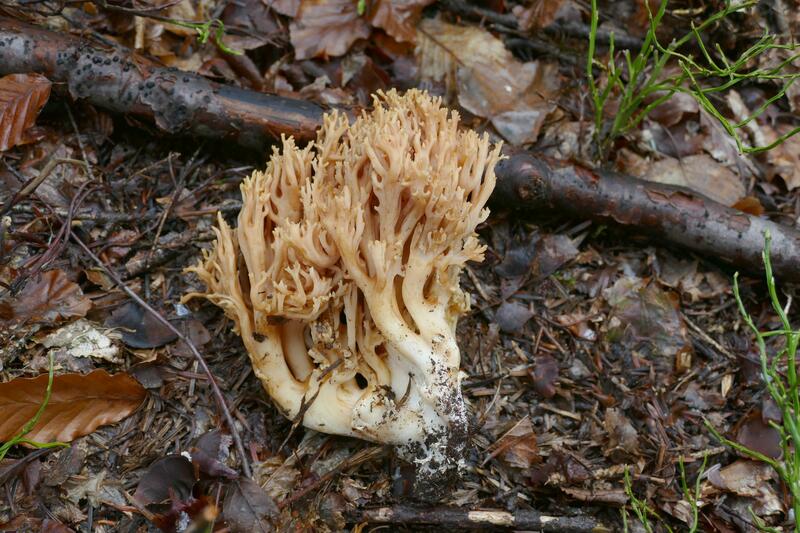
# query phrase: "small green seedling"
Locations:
[[780, 378], [19, 438]]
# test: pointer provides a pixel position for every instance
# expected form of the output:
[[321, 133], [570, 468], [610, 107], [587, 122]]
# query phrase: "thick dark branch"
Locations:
[[180, 102], [672, 214], [176, 101], [485, 520]]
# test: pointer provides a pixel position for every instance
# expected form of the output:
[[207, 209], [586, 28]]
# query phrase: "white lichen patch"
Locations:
[[82, 339]]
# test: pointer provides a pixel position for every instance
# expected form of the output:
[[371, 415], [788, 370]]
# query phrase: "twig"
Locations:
[[456, 518], [221, 402], [671, 214], [354, 460], [176, 101], [190, 166]]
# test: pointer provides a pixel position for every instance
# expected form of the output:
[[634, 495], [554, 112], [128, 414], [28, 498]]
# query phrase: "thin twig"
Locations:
[[459, 519], [221, 402], [354, 460]]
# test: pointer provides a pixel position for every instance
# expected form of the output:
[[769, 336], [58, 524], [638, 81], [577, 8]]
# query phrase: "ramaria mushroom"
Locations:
[[342, 277]]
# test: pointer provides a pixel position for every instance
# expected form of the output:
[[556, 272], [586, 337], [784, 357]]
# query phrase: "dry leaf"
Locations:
[[784, 158], [750, 205], [173, 474], [22, 96], [749, 479], [517, 446], [700, 173], [540, 14], [78, 405], [646, 319], [511, 316], [284, 7], [50, 297], [397, 17], [623, 440], [255, 23], [545, 375], [139, 328], [248, 507], [326, 28], [755, 433], [490, 82]]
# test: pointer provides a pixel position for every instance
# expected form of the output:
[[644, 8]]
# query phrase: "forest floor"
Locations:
[[591, 353]]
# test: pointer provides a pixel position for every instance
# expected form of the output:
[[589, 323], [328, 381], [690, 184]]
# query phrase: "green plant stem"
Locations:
[[19, 438]]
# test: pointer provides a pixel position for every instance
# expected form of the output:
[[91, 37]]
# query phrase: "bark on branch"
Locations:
[[485, 520], [668, 213], [177, 102], [183, 103]]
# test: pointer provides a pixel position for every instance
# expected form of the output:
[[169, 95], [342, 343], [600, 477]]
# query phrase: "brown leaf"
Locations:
[[326, 28], [749, 479], [256, 22], [491, 83], [511, 316], [742, 477], [757, 434], [284, 7], [22, 96], [622, 436], [79, 404], [397, 17], [784, 158], [208, 453], [702, 174], [48, 298], [646, 319], [553, 252], [672, 111], [171, 474], [599, 495], [750, 205], [140, 329], [248, 507], [540, 14], [545, 375], [517, 446]]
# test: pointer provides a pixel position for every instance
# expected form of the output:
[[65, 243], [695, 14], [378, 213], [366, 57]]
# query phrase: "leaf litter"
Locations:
[[587, 350]]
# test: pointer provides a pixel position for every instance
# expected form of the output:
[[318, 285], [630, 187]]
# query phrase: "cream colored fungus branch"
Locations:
[[350, 249]]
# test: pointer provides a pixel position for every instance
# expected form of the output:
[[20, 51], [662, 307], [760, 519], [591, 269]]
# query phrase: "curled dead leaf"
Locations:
[[49, 298], [22, 96], [491, 83], [326, 28], [397, 17], [755, 433], [139, 328], [248, 507], [173, 474]]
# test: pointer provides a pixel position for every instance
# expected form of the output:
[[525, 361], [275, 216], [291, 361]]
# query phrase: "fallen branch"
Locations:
[[456, 518], [177, 102], [185, 103], [669, 213]]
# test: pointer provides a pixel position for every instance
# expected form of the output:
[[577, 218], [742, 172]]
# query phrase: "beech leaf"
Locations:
[[49, 297], [326, 28], [248, 507], [78, 405], [22, 96]]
